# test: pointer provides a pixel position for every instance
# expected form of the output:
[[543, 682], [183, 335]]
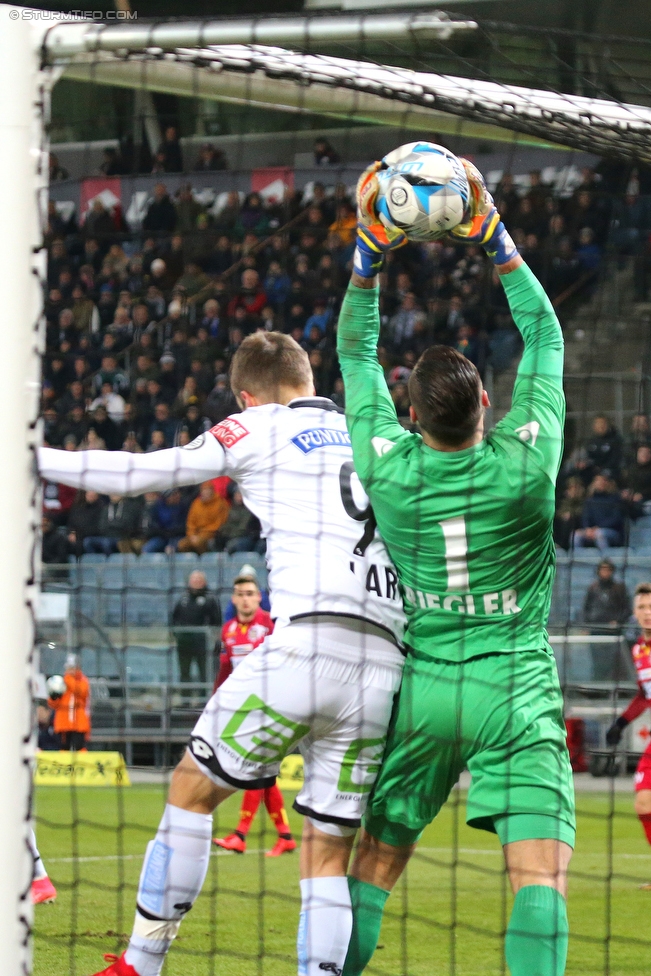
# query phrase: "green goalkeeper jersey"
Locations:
[[469, 531]]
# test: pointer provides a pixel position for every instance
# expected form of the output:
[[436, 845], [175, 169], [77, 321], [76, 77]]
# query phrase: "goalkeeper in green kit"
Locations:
[[467, 519]]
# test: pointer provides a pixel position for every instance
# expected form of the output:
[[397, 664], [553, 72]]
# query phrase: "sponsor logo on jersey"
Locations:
[[529, 432], [229, 432], [201, 750], [311, 440], [381, 445]]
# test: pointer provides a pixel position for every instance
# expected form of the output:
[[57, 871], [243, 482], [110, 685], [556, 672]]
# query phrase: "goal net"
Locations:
[[202, 190]]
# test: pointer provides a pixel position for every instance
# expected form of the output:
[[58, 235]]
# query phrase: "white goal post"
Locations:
[[23, 182]]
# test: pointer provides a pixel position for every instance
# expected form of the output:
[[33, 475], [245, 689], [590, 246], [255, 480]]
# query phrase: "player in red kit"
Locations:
[[642, 660], [240, 636]]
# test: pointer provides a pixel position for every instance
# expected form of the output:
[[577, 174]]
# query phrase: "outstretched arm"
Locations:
[[537, 413], [370, 412], [132, 474]]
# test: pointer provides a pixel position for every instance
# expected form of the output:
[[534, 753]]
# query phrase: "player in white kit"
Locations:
[[324, 680]]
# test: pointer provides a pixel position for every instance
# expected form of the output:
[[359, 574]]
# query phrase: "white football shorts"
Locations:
[[322, 685]]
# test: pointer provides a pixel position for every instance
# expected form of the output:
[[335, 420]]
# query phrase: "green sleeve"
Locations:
[[537, 413], [370, 412]]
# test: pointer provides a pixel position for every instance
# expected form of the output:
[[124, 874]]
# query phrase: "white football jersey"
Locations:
[[294, 467]]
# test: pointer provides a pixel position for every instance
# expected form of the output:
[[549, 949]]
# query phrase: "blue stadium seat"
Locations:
[[93, 557], [122, 558]]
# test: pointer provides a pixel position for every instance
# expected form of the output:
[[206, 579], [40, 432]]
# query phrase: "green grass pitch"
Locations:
[[447, 918]]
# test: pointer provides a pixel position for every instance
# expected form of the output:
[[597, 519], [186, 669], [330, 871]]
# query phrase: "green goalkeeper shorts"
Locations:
[[501, 716]]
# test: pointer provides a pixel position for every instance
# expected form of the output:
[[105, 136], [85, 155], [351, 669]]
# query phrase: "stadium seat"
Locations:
[[93, 557]]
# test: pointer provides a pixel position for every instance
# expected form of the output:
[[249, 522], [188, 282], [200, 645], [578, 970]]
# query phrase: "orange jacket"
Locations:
[[205, 518], [71, 710]]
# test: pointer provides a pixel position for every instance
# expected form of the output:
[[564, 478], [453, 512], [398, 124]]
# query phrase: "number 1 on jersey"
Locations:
[[456, 551]]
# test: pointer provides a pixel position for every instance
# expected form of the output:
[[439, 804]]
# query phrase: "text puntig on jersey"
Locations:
[[501, 602], [310, 440]]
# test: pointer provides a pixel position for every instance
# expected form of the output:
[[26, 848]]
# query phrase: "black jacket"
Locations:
[[197, 608], [605, 602]]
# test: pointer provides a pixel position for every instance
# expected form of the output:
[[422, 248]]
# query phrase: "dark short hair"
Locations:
[[246, 578], [642, 589], [445, 391], [267, 361]]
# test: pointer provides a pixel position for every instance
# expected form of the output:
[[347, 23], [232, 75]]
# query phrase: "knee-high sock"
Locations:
[[250, 803], [172, 875], [537, 934], [645, 820], [324, 927], [368, 903], [39, 867], [273, 800]]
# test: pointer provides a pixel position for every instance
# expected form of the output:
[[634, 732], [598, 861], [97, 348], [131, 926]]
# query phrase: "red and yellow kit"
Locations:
[[239, 639], [642, 659]]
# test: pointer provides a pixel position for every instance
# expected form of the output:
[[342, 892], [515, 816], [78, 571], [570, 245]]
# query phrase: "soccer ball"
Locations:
[[56, 686], [424, 191]]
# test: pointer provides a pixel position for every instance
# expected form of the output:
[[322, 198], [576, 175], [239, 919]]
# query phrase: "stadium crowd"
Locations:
[[142, 324]]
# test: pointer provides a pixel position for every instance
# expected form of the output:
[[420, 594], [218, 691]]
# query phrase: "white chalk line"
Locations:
[[471, 851]]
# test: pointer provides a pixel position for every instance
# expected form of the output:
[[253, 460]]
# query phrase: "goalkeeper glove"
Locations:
[[482, 224], [614, 733], [374, 238]]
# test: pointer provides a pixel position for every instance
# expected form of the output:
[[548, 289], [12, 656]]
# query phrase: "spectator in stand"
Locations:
[[401, 325], [568, 512], [506, 196], [75, 425], [83, 520], [198, 609], [147, 526], [638, 476], [58, 173], [606, 608], [253, 216], [220, 402], [109, 373], [168, 522], [188, 210], [250, 297], [320, 318], [117, 524], [277, 285], [169, 152], [241, 530], [324, 153], [105, 429], [161, 213], [639, 436], [345, 223], [588, 251], [99, 222], [167, 425], [604, 447], [210, 159], [112, 402], [54, 547], [207, 514], [603, 517]]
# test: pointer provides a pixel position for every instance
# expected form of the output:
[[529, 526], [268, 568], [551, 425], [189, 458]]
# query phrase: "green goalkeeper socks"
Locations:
[[537, 935], [368, 903]]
